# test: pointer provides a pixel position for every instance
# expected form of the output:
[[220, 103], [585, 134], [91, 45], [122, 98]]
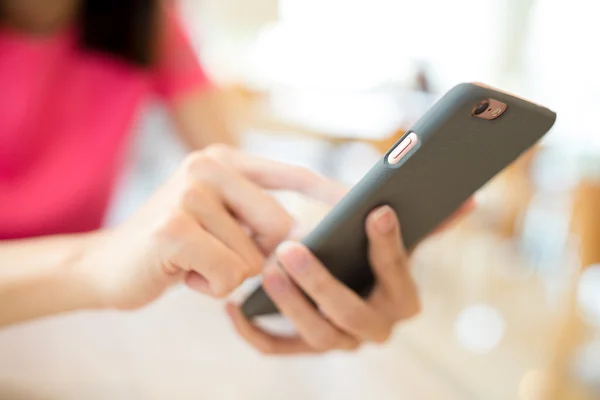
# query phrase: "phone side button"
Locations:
[[402, 148]]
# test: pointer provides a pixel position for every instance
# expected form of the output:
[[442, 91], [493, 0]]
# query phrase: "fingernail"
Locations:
[[383, 219], [275, 283], [292, 258]]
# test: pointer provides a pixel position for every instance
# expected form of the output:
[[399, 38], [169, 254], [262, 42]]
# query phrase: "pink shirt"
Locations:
[[65, 114]]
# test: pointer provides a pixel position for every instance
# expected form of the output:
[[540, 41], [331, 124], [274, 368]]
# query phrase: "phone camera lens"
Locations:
[[481, 107]]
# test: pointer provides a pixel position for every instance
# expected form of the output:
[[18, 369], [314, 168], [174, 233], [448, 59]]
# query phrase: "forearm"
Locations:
[[40, 277], [201, 120]]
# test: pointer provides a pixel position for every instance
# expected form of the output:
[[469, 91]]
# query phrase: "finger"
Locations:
[[337, 302], [279, 176], [319, 333], [216, 219], [389, 261], [264, 342], [199, 283], [194, 249], [267, 219], [387, 254]]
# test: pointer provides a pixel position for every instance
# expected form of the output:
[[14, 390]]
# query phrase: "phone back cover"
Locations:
[[456, 155]]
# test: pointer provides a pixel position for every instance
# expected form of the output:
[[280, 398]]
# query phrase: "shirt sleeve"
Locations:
[[178, 69]]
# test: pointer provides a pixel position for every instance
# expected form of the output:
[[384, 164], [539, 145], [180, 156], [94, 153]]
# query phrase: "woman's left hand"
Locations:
[[341, 319]]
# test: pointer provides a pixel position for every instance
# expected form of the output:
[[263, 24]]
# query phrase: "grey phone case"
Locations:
[[456, 154]]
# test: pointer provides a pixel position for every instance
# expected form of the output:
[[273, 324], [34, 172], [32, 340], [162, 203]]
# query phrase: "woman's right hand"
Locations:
[[212, 226]]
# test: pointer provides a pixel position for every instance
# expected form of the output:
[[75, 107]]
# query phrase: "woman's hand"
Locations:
[[341, 319], [212, 226]]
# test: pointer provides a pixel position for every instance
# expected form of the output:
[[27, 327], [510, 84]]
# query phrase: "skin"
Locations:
[[199, 115], [211, 226], [200, 118], [341, 319]]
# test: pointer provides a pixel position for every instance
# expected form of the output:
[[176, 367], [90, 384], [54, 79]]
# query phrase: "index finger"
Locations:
[[274, 175], [268, 221]]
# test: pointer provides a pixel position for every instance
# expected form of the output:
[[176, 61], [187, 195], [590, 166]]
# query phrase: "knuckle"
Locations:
[[200, 162], [400, 257], [383, 336], [320, 284], [265, 348], [174, 226], [218, 151], [255, 265], [324, 340], [286, 224], [354, 319], [277, 221], [414, 309], [351, 345], [220, 290], [281, 227], [229, 282], [407, 307], [192, 161], [195, 195], [170, 236], [395, 259], [239, 276]]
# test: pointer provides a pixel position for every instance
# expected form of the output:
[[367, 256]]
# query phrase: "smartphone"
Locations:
[[464, 140]]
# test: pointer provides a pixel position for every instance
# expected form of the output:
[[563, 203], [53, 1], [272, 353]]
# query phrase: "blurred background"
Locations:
[[511, 295]]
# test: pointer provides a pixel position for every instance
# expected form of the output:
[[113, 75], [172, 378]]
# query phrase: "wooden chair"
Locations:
[[586, 225]]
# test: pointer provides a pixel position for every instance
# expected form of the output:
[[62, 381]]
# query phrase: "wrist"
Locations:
[[81, 273], [70, 281], [42, 277]]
